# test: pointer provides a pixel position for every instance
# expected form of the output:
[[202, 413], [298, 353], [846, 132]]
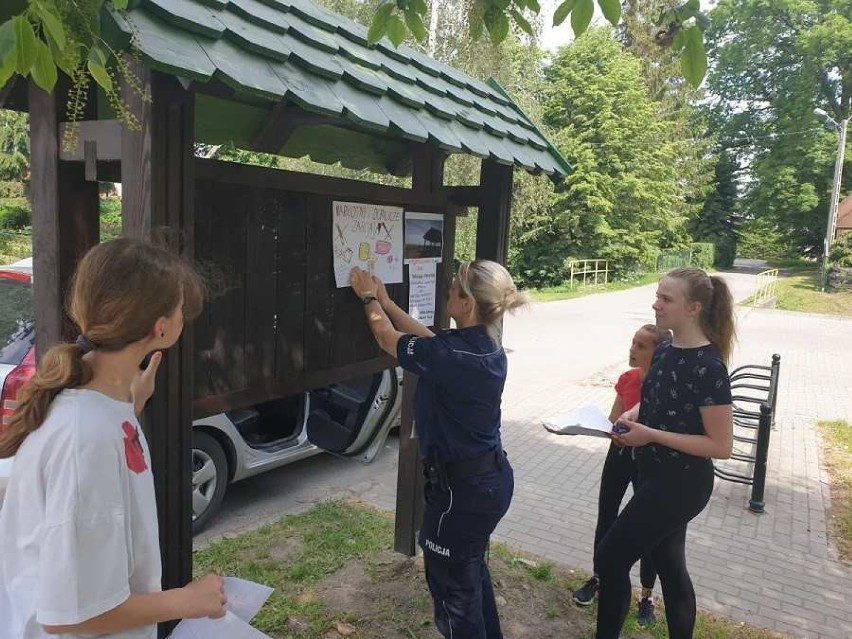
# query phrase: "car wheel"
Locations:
[[209, 479]]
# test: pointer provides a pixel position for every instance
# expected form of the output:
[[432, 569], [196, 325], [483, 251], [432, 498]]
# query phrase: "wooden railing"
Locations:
[[593, 272], [764, 288]]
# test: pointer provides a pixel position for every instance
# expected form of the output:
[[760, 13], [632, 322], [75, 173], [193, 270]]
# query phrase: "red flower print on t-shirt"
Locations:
[[133, 452]]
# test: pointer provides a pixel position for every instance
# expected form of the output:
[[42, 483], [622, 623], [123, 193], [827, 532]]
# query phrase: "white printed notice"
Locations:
[[422, 281], [364, 235]]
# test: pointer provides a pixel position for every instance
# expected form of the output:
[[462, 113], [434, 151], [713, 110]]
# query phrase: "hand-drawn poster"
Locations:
[[365, 234], [424, 236], [422, 281]]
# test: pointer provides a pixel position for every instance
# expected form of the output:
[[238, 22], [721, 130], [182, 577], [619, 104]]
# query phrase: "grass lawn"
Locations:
[[565, 293], [799, 291], [837, 448], [15, 245], [334, 573]]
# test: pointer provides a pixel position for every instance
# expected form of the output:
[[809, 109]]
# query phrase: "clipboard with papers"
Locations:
[[588, 420]]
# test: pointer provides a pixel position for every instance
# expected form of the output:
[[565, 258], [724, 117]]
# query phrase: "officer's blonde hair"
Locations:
[[492, 288]]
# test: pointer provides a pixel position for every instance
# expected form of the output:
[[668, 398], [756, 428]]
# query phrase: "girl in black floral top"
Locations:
[[683, 421]]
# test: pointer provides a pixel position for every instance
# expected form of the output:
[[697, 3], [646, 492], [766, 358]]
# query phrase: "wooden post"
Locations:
[[65, 219], [492, 227], [158, 168], [44, 163], [427, 178]]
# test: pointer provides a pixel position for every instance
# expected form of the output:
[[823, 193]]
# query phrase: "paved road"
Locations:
[[777, 570]]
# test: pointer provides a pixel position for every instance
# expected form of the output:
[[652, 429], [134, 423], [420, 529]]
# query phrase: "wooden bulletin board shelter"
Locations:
[[284, 77]]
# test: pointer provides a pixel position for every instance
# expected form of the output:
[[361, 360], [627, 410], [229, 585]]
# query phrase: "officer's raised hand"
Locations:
[[364, 284]]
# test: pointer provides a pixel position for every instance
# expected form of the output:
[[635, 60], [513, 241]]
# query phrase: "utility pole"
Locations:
[[835, 199]]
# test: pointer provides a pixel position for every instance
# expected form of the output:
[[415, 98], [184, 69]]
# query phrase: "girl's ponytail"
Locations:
[[717, 321], [60, 368]]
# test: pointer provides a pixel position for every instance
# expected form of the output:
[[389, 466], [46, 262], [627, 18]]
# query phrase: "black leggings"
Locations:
[[654, 522], [618, 471]]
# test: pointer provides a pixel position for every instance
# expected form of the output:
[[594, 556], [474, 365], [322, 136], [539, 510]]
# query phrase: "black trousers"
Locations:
[[457, 524], [670, 494], [618, 472]]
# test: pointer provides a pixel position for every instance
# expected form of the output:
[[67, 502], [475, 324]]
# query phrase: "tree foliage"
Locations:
[[14, 146], [624, 199], [774, 62], [679, 27]]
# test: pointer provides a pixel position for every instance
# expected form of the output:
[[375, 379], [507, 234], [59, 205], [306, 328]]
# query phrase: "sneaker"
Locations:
[[646, 616], [586, 595]]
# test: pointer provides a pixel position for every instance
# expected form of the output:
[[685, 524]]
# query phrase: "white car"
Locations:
[[350, 419]]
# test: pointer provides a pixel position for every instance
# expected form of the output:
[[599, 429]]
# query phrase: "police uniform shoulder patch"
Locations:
[[409, 349]]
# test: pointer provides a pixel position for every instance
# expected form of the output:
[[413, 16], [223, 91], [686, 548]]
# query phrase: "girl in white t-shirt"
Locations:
[[79, 541]]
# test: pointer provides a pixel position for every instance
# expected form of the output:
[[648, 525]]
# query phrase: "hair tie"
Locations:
[[85, 344]]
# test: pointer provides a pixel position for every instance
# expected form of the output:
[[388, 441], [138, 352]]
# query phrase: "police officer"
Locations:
[[457, 417]]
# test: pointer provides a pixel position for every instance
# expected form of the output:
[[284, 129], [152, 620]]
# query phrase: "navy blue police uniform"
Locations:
[[469, 480]]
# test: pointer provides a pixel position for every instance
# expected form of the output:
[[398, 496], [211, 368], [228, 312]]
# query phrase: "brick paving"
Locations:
[[778, 570]]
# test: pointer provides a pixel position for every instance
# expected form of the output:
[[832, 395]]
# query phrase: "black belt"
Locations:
[[438, 472]]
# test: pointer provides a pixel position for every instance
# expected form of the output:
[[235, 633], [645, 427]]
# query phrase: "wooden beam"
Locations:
[[338, 188], [6, 90], [427, 182], [158, 191], [79, 228], [105, 134], [215, 404], [44, 167], [427, 174], [136, 157], [282, 121], [492, 228]]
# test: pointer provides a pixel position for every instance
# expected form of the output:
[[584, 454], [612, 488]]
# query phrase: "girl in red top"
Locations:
[[619, 469]]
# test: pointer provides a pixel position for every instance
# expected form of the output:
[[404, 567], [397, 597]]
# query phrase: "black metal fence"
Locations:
[[754, 389]]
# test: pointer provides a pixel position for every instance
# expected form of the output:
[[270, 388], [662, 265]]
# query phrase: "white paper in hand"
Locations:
[[228, 627], [245, 599], [588, 420]]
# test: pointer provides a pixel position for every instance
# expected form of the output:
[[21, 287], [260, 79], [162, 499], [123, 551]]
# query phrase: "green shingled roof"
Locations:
[[267, 51]]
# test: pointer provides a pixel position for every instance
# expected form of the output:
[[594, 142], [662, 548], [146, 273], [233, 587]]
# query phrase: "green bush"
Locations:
[[703, 255], [110, 212], [11, 189], [14, 217], [726, 252], [841, 251], [760, 239]]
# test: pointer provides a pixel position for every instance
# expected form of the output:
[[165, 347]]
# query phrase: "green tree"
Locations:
[[14, 146], [774, 62], [624, 199], [686, 126], [715, 222]]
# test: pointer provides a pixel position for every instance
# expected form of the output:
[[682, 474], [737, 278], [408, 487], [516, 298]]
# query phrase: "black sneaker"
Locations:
[[646, 616], [586, 595]]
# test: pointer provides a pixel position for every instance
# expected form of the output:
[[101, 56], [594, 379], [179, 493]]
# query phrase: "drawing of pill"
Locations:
[[364, 251], [382, 247]]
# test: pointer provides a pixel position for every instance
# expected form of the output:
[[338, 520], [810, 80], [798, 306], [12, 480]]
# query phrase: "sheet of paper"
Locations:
[[228, 627], [588, 420], [424, 236], [245, 599], [365, 234], [422, 282]]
